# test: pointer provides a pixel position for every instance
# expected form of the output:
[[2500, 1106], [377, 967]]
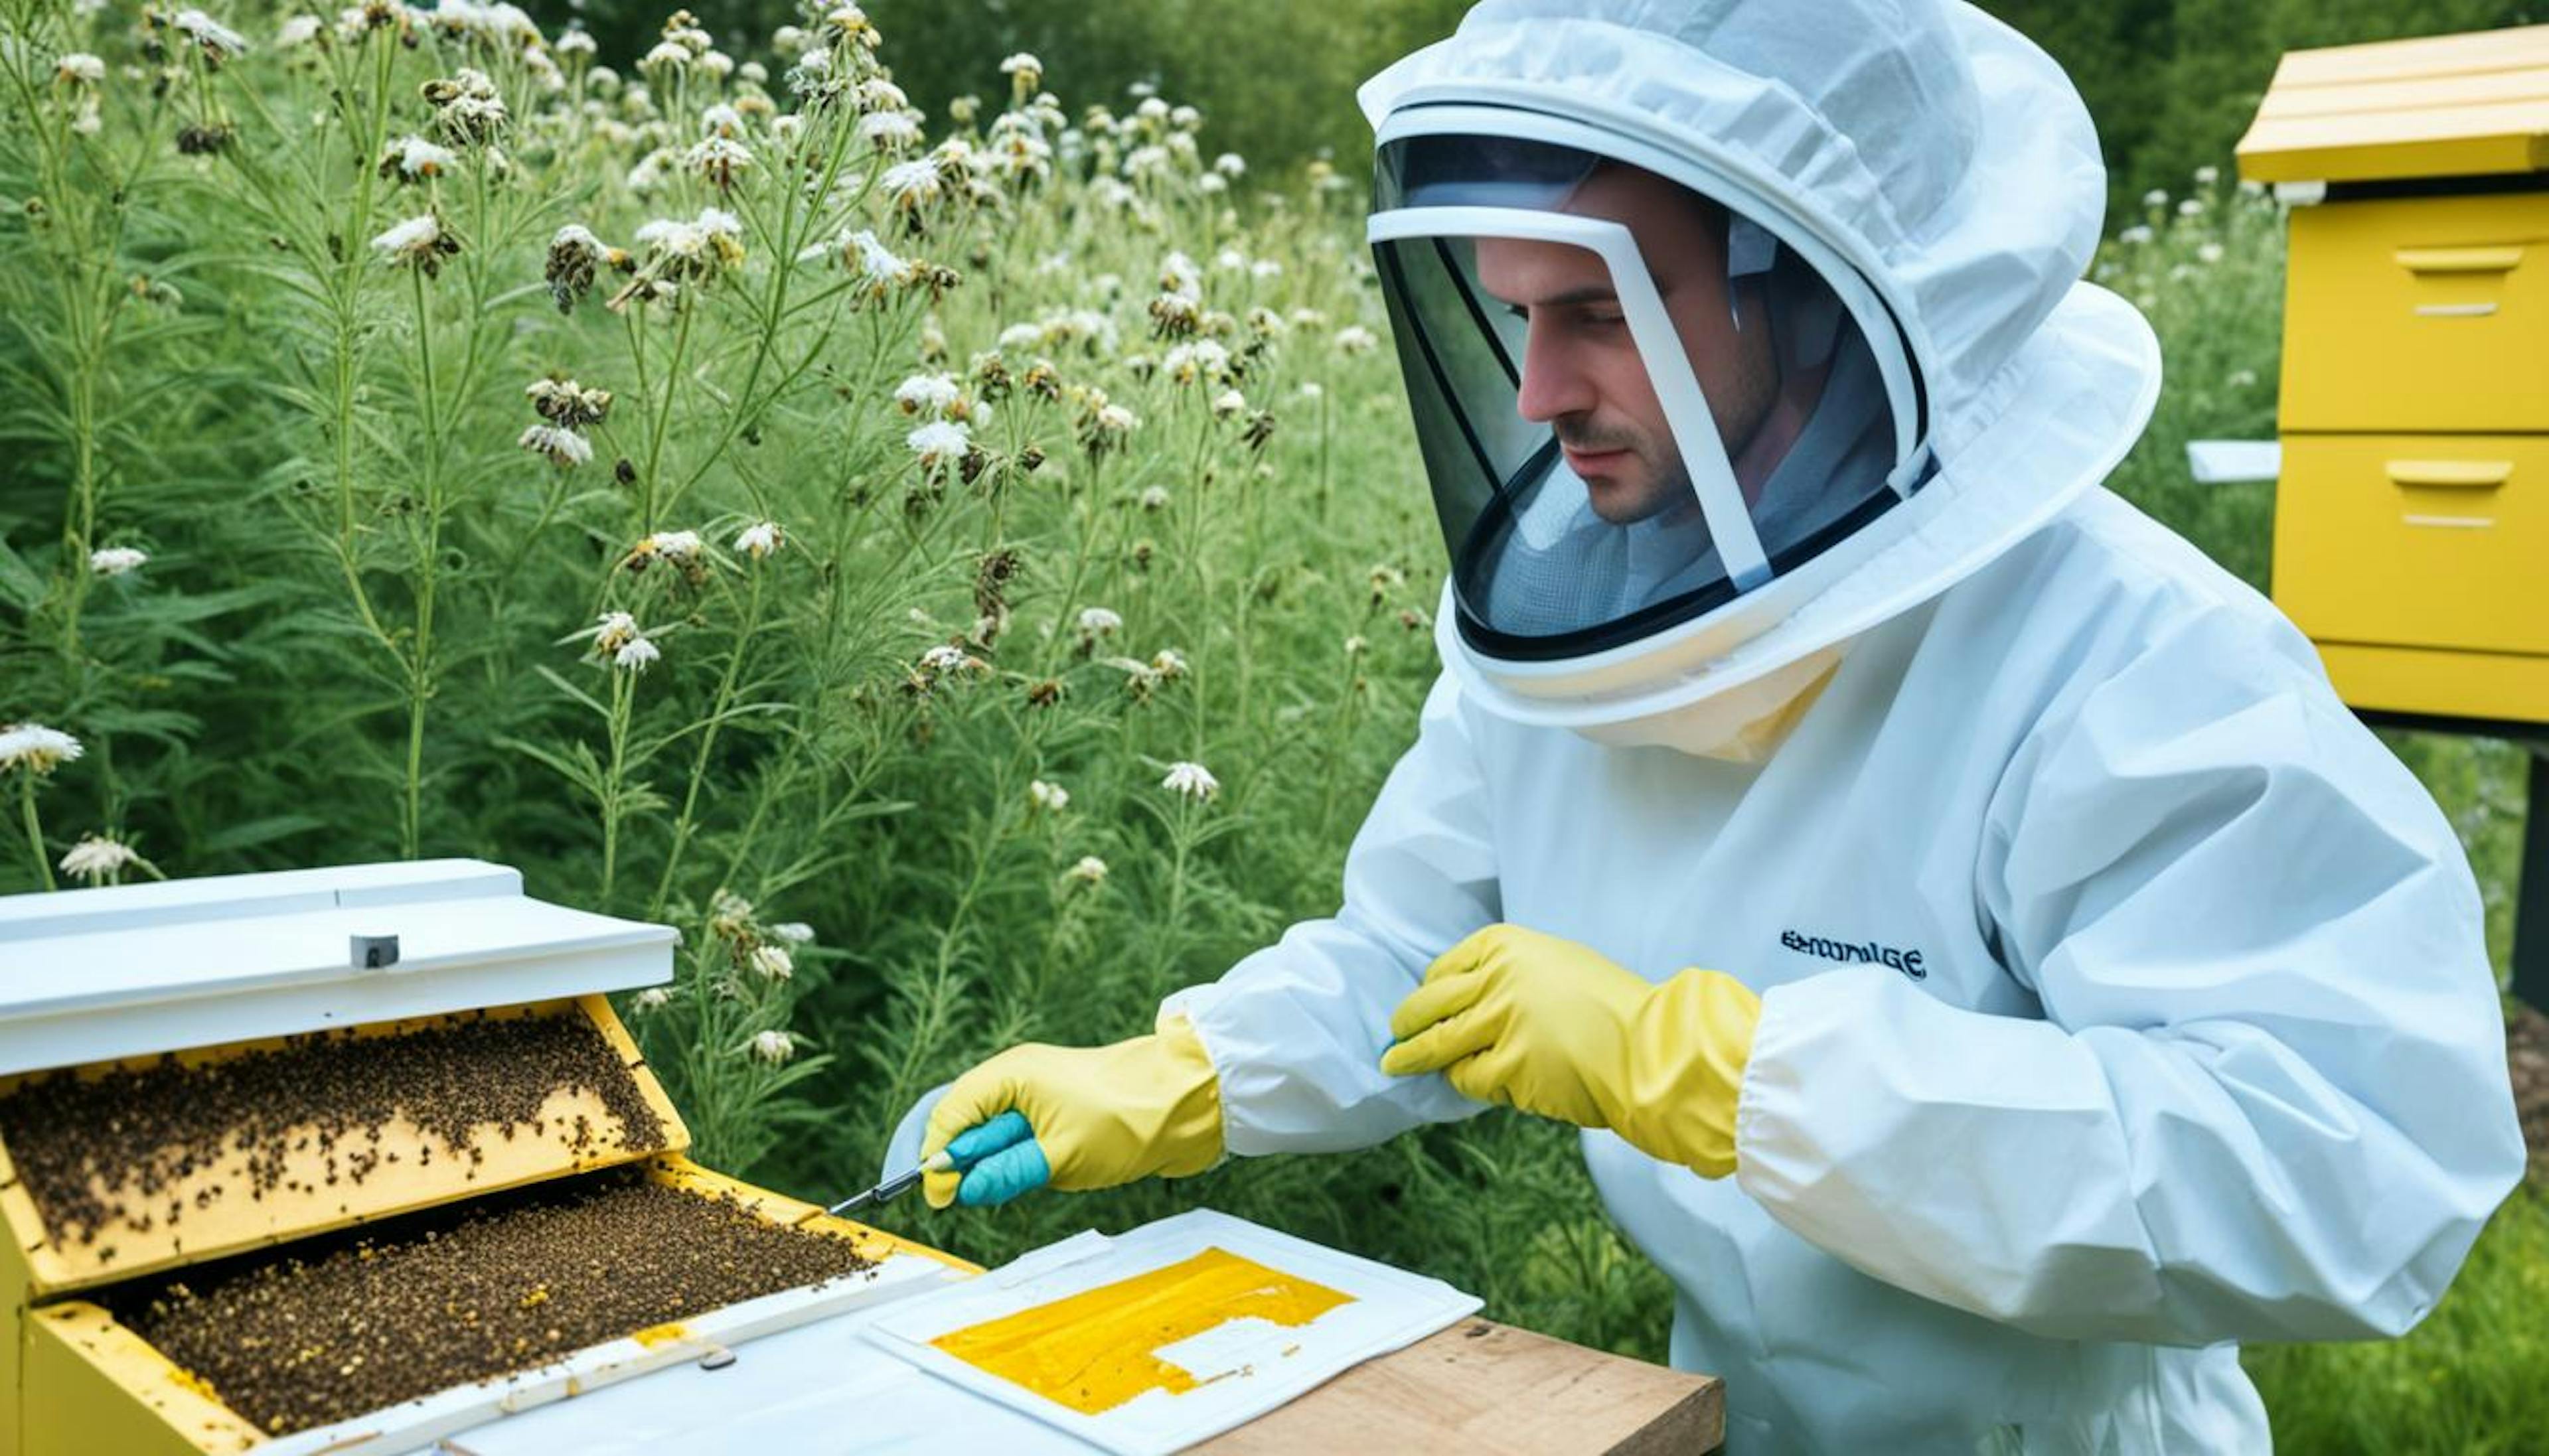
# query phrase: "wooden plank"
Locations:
[[1483, 1389]]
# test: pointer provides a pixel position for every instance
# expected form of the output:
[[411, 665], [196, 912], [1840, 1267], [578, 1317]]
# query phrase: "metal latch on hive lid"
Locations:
[[374, 953]]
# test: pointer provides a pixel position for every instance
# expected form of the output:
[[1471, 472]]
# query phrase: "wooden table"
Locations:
[[1483, 1389]]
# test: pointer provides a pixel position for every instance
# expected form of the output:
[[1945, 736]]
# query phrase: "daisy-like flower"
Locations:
[[1154, 497], [940, 441], [1194, 781], [653, 998], [1052, 798], [636, 654], [1116, 420], [575, 42], [1230, 165], [558, 444], [718, 159], [771, 962], [678, 547], [912, 184], [1356, 646], [419, 242], [297, 31], [943, 659], [1091, 870], [412, 159], [1100, 621], [98, 859], [890, 130], [36, 748], [760, 540], [1227, 403], [1169, 662], [771, 1046], [612, 631], [671, 55], [79, 68], [115, 561], [926, 394], [218, 41], [1025, 73], [1354, 339]]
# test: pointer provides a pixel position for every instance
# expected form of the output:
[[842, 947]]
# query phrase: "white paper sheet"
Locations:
[[1260, 1364]]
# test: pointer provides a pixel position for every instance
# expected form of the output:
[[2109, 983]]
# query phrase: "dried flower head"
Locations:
[[558, 444], [421, 242], [566, 402], [573, 255], [36, 748]]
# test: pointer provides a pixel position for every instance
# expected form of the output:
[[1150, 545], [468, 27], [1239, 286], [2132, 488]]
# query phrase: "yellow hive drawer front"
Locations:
[[93, 1386], [2418, 314], [2415, 540], [2454, 684]]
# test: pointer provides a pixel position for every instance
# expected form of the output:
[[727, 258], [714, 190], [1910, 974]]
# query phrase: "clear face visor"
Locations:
[[1633, 403]]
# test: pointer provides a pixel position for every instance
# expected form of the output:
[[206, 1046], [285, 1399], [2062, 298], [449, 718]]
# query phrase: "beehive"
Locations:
[[204, 1083], [2411, 521]]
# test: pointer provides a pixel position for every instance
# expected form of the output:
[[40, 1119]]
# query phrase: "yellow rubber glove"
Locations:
[[1101, 1115], [1530, 1021]]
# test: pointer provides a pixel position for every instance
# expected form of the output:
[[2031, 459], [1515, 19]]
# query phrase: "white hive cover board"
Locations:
[[798, 1380], [1240, 1369], [86, 976]]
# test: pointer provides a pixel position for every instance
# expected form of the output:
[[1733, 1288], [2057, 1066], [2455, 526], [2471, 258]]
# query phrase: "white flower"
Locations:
[[719, 158], [81, 67], [1194, 781], [219, 40], [1265, 268], [1154, 497], [1115, 419], [1169, 662], [297, 31], [2190, 207], [96, 858], [615, 631], [1354, 339], [636, 654], [416, 157], [773, 964], [914, 183], [35, 746], [1227, 403], [794, 931], [1229, 164], [890, 129], [757, 541], [1356, 646], [653, 998], [417, 239], [1310, 388], [1025, 64], [2138, 234], [876, 263], [2207, 175], [939, 440], [575, 42], [673, 546], [1089, 870], [772, 1047], [943, 659], [1099, 621], [671, 54], [2241, 379], [2210, 252], [1051, 797], [562, 447], [926, 394], [2155, 198], [115, 561]]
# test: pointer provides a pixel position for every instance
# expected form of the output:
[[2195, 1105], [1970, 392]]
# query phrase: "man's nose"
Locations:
[[1553, 382]]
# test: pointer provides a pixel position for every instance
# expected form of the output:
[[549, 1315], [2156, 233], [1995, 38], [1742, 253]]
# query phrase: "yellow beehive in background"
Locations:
[[2411, 521]]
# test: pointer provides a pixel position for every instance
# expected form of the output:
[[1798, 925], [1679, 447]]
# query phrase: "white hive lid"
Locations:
[[86, 976]]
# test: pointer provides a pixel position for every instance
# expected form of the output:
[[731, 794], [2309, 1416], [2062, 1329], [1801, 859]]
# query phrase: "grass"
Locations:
[[373, 623]]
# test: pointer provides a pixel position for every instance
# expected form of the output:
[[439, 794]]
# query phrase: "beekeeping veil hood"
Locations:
[[1733, 328]]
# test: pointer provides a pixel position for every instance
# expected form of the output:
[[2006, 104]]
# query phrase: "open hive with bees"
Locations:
[[350, 1159]]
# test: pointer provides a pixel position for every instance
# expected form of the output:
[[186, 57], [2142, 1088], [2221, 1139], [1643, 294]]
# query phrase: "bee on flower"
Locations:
[[680, 549], [115, 561], [1192, 781], [421, 242], [34, 747], [574, 256], [760, 540], [612, 632]]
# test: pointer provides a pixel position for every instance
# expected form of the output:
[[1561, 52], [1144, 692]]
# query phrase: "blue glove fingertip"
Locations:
[[1004, 1175], [983, 1139]]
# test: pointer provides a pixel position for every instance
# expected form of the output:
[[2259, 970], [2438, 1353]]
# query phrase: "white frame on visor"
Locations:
[[1650, 328]]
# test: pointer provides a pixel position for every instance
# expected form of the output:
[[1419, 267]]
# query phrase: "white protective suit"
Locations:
[[2123, 998]]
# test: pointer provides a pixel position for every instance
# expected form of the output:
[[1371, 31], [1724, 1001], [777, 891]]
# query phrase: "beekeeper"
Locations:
[[1993, 973]]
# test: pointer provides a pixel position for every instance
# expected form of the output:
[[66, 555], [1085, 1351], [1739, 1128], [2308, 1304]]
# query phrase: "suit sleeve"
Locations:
[[1295, 1030], [2268, 1099]]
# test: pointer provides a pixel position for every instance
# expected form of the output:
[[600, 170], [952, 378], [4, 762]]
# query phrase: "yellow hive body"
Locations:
[[2411, 521], [73, 1381]]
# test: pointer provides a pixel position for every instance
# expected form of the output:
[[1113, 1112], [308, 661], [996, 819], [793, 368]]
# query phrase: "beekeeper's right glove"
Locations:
[[1101, 1116]]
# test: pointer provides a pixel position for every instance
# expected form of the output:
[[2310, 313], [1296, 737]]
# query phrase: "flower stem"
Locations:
[[35, 830]]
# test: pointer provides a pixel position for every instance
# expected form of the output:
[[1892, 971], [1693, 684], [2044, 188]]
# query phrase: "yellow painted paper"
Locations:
[[1093, 1350]]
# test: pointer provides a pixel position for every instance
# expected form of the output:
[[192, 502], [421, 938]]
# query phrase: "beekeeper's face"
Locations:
[[1583, 374]]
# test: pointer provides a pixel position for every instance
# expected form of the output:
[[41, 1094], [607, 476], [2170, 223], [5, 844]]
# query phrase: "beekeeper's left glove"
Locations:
[[1530, 1021]]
